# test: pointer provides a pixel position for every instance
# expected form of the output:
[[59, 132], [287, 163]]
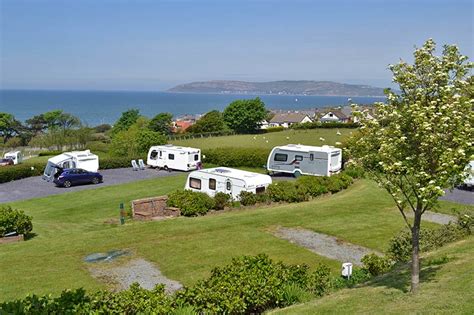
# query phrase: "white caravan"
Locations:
[[174, 157], [75, 159], [305, 160], [15, 156], [469, 181], [227, 180]]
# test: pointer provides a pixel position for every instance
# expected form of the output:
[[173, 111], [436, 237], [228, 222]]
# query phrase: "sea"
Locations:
[[105, 107]]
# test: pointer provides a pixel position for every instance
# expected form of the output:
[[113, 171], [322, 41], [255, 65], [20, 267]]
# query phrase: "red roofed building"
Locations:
[[181, 125]]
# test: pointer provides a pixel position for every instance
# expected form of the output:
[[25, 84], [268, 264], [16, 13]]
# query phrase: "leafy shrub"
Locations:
[[287, 191], [466, 222], [190, 202], [49, 153], [354, 171], [19, 171], [273, 129], [97, 146], [251, 285], [234, 157], [400, 247], [376, 265], [221, 200], [358, 276], [314, 185], [247, 198], [293, 293], [334, 184], [12, 220]]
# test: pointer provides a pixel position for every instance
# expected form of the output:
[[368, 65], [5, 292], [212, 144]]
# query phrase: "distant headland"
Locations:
[[322, 88]]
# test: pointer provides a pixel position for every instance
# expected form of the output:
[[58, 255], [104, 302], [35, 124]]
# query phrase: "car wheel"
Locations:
[[95, 180], [67, 184]]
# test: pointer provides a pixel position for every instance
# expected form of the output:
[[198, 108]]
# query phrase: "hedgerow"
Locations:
[[19, 171], [235, 157]]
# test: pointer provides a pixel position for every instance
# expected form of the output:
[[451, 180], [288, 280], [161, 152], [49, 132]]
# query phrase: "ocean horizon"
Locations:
[[96, 107]]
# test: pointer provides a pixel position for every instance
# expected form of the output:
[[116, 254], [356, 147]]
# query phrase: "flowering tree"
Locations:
[[420, 142]]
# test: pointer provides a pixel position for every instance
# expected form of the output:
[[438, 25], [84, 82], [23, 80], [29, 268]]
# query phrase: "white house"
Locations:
[[334, 115], [287, 119]]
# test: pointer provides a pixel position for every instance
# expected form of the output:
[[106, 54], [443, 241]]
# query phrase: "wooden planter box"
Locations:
[[155, 207], [12, 239]]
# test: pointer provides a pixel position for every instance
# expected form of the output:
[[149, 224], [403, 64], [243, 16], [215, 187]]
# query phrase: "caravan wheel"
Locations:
[[166, 169], [297, 174]]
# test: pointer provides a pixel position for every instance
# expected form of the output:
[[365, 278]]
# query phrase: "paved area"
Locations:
[[34, 187], [463, 196], [137, 270], [325, 245]]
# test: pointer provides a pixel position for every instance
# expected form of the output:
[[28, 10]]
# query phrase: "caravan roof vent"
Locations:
[[221, 170]]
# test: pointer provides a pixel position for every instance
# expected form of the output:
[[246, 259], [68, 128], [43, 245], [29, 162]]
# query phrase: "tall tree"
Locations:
[[421, 140], [9, 126], [245, 116], [127, 119], [212, 121], [162, 123]]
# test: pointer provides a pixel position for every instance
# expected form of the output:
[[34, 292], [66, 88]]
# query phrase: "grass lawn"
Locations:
[[73, 225], [447, 283], [308, 137]]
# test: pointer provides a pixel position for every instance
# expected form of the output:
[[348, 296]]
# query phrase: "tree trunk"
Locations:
[[415, 258]]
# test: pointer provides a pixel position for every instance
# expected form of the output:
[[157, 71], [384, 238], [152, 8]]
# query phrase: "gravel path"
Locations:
[[34, 187], [137, 270], [463, 196], [325, 245], [439, 218]]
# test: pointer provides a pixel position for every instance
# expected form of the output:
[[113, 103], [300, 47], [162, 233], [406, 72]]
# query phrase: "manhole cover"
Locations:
[[105, 256]]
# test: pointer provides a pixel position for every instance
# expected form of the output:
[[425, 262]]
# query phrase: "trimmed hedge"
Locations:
[[273, 129], [49, 153], [19, 171], [235, 157], [328, 125]]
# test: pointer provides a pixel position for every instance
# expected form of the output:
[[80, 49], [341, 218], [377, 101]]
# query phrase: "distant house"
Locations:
[[264, 124], [334, 115], [181, 125], [287, 119]]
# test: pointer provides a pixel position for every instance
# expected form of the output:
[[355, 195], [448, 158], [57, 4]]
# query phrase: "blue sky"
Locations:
[[153, 45]]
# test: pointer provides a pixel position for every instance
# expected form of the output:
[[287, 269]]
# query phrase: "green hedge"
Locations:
[[235, 157], [19, 171], [191, 203], [328, 125], [49, 153], [273, 129]]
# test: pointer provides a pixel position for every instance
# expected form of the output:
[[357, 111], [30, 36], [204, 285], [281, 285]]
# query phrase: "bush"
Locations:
[[19, 171], [251, 285], [376, 265], [221, 200], [247, 198], [315, 186], [354, 171], [190, 202], [49, 153], [116, 162], [399, 248], [287, 191], [273, 129], [235, 157], [293, 294], [12, 220]]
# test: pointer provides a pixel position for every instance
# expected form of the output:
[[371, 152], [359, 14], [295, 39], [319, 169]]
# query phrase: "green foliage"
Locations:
[[126, 120], [354, 171], [161, 123], [314, 185], [244, 116], [9, 126], [212, 121], [190, 202], [327, 125], [293, 293], [252, 285], [466, 222], [221, 200], [235, 157], [247, 198], [49, 153], [274, 129], [116, 162], [19, 171], [102, 128], [12, 220], [287, 191], [147, 138], [358, 276], [400, 248], [376, 265]]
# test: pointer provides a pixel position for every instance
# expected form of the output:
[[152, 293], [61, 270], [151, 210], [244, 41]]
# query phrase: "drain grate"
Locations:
[[111, 255]]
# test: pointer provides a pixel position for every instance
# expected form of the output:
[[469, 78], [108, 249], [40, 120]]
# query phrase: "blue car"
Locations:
[[74, 176]]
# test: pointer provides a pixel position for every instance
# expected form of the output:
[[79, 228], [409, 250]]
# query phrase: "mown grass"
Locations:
[[447, 283], [269, 140], [73, 225]]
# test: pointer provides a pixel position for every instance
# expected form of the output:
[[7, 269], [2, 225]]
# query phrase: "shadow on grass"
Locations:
[[400, 276]]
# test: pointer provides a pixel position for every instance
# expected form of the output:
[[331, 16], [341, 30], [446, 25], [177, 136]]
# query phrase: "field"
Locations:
[[269, 140], [70, 226]]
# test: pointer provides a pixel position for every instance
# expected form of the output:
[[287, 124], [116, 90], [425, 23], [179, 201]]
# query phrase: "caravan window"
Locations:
[[196, 157], [171, 156], [229, 185], [280, 157], [311, 157], [212, 183], [298, 157], [195, 183], [154, 155]]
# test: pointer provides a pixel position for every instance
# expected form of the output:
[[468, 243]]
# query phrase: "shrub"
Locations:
[[293, 293], [287, 191], [19, 171], [273, 129], [234, 157], [466, 222], [354, 171], [314, 186], [247, 198], [251, 285], [221, 200], [48, 153], [12, 220], [190, 202], [376, 265]]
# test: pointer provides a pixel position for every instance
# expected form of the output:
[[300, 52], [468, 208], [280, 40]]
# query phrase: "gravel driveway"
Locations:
[[325, 245], [34, 187]]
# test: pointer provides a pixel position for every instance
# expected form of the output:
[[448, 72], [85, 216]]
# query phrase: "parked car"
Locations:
[[6, 162], [73, 176]]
